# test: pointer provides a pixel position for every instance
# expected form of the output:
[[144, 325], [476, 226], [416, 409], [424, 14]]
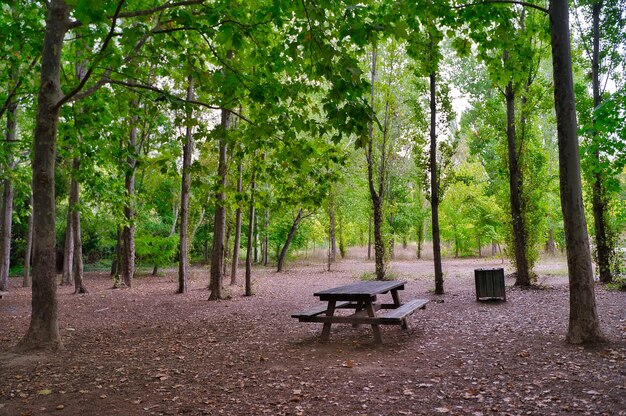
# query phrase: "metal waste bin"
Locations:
[[490, 284]]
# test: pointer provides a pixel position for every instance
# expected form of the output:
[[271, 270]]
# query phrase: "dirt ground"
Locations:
[[147, 351]]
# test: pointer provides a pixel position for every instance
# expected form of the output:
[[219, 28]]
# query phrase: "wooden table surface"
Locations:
[[360, 290]]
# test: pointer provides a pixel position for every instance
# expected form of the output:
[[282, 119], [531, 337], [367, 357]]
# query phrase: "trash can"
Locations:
[[489, 284]]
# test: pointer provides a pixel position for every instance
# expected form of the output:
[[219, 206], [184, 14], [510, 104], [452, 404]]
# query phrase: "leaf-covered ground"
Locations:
[[147, 351]]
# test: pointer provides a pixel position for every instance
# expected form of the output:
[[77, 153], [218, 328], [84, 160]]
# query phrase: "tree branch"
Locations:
[[105, 45], [132, 85], [17, 85], [521, 3], [166, 6]]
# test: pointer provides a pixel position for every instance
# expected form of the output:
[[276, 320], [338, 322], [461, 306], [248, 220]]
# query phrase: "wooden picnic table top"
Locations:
[[360, 290]]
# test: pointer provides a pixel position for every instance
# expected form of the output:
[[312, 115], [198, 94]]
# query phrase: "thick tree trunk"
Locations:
[[603, 246], [183, 265], [77, 256], [43, 331], [515, 186], [235, 260], [219, 228], [285, 249], [68, 250], [584, 325], [226, 248], [250, 232], [28, 251], [434, 186], [128, 233], [6, 217]]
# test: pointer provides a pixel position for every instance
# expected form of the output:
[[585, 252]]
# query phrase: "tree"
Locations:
[[584, 325]]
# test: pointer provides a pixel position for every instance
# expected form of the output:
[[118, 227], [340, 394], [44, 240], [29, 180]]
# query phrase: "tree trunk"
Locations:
[[128, 233], [376, 196], [219, 227], [43, 331], [266, 238], [6, 225], [480, 249], [494, 248], [235, 260], [77, 256], [584, 325], [599, 203], [331, 227], [285, 249], [28, 251], [183, 265], [550, 244], [369, 237], [342, 243], [226, 248], [256, 242], [117, 259], [68, 251], [250, 232], [434, 186], [420, 239], [515, 186]]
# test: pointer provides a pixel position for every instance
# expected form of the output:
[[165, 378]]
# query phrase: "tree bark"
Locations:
[[369, 237], [183, 265], [285, 249], [6, 225], [77, 256], [43, 331], [584, 325], [434, 186], [603, 246], [550, 244], [235, 260], [68, 250], [128, 232], [266, 238], [376, 196], [219, 228], [250, 232], [515, 186], [117, 256], [331, 227], [28, 251]]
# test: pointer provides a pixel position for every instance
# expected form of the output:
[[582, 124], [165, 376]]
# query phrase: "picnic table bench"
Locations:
[[361, 297]]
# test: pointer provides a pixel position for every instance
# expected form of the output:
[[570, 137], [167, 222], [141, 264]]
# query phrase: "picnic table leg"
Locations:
[[359, 307], [369, 306], [396, 302], [329, 312]]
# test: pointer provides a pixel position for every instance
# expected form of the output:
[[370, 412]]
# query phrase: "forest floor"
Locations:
[[147, 351]]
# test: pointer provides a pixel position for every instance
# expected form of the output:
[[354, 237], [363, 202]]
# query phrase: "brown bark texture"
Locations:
[[235, 260], [584, 325], [251, 221], [6, 216], [292, 232], [128, 232], [599, 202], [183, 265], [434, 186], [219, 227], [74, 207], [522, 277], [28, 251], [43, 331]]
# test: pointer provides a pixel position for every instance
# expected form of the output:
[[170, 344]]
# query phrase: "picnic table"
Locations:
[[362, 298]]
